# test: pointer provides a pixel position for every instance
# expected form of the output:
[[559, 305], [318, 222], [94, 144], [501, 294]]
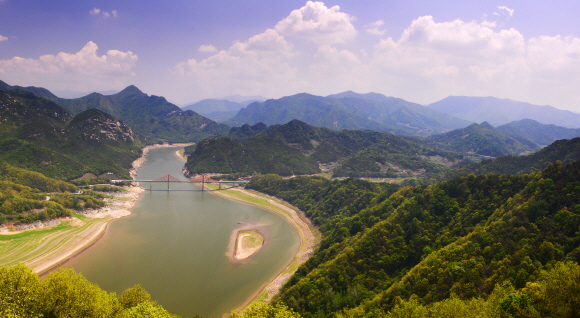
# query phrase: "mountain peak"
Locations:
[[131, 89], [487, 125]]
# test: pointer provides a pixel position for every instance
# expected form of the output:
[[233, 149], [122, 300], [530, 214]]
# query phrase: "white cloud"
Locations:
[[81, 71], [428, 61], [96, 11], [318, 24], [207, 48], [374, 28], [3, 38], [506, 10], [434, 60], [256, 66]]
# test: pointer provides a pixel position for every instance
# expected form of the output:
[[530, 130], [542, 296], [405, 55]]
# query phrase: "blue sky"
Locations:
[[421, 51]]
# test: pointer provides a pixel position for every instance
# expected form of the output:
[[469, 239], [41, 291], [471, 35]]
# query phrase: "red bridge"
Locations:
[[203, 179]]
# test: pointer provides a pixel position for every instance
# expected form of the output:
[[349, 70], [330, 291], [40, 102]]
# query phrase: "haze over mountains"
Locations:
[[502, 111], [350, 111]]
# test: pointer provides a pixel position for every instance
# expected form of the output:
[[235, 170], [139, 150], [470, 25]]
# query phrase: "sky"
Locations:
[[186, 51]]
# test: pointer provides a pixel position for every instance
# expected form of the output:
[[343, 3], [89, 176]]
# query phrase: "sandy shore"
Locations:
[[55, 248], [139, 162], [294, 217]]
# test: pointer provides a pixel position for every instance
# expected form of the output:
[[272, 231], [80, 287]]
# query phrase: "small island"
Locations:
[[248, 242]]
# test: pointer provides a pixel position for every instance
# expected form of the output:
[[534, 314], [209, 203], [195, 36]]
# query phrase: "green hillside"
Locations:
[[480, 139], [39, 135], [153, 117], [421, 247], [566, 151], [23, 196], [538, 133], [354, 153]]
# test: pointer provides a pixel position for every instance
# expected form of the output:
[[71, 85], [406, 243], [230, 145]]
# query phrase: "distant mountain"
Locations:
[[351, 111], [245, 100], [216, 109], [502, 111], [566, 151], [151, 116], [538, 133], [480, 139], [368, 96], [315, 110], [292, 148], [37, 134]]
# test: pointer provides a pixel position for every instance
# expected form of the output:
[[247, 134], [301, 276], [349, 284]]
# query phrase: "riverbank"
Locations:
[[46, 248], [309, 235], [141, 160]]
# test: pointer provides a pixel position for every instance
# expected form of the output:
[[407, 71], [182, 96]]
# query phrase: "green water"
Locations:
[[175, 245]]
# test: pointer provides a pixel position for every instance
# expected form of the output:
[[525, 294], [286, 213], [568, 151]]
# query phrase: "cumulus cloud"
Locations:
[[96, 12], [428, 61], [207, 48], [318, 24], [256, 66], [3, 38], [469, 58], [81, 71], [374, 28], [505, 10]]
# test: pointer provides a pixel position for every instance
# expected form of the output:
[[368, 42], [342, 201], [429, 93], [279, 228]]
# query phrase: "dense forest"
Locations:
[[27, 196], [298, 148], [152, 117], [458, 240], [481, 139], [39, 135]]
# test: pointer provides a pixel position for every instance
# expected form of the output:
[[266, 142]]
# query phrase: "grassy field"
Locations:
[[41, 249]]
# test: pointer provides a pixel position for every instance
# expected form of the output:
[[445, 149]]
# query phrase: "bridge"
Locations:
[[203, 179]]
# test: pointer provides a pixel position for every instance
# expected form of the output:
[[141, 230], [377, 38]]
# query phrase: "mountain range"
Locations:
[[502, 111], [153, 117], [39, 135], [297, 148], [216, 109], [350, 111]]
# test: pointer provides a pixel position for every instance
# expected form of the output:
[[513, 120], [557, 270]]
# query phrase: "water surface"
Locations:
[[175, 245]]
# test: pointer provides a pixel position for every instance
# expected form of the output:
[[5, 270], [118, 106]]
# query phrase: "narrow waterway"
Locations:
[[175, 245]]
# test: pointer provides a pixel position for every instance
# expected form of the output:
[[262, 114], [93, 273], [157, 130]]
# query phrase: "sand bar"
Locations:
[[248, 243], [309, 235]]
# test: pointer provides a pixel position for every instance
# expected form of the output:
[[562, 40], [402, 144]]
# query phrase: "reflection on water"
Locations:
[[175, 243]]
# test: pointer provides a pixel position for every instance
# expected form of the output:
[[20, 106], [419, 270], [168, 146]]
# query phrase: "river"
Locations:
[[175, 245]]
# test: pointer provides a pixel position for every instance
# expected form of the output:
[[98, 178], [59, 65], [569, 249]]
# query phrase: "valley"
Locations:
[[455, 211]]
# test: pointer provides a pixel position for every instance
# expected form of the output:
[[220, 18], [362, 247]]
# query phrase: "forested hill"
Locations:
[[39, 135], [360, 153], [153, 117], [350, 111], [470, 245], [566, 151], [481, 139], [538, 133]]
